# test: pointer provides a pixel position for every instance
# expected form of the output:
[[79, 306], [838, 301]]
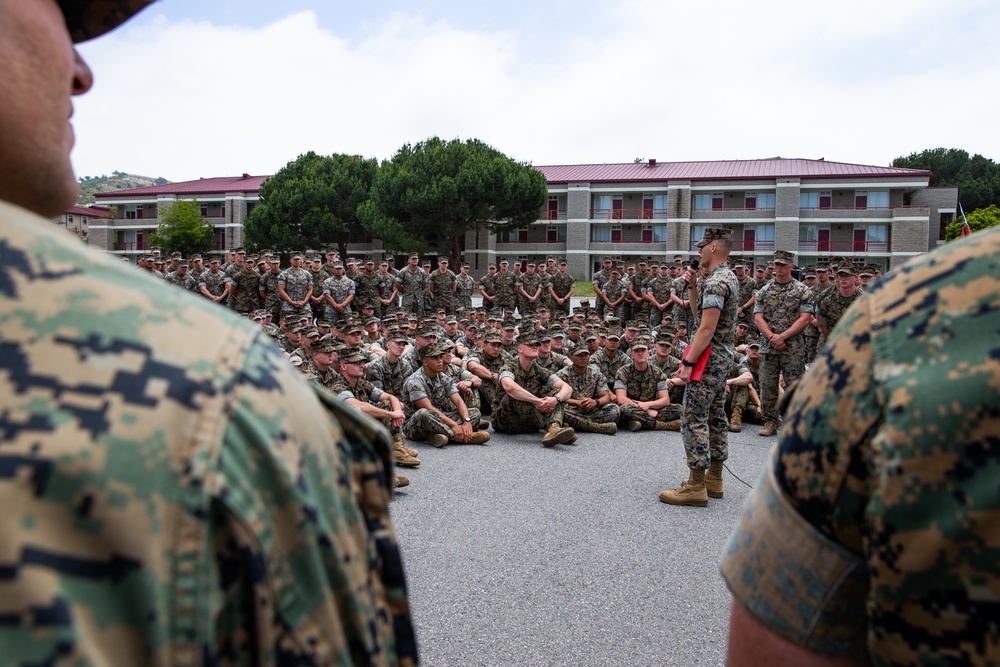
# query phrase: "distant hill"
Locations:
[[118, 180]]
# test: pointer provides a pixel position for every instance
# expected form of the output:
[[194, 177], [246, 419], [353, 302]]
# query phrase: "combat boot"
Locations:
[[483, 425], [770, 428], [438, 440], [674, 425], [399, 480], [401, 454], [607, 429], [558, 435], [713, 479], [693, 493], [736, 421], [479, 438], [633, 425]]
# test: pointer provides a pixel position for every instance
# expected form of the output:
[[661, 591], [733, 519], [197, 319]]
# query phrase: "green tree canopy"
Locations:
[[183, 229], [977, 177], [978, 219], [311, 202], [435, 191]]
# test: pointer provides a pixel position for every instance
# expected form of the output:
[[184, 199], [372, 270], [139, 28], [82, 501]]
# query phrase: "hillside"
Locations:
[[116, 181]]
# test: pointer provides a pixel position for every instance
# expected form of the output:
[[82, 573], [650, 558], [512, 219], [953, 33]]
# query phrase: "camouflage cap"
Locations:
[[783, 257], [353, 355], [433, 350], [493, 336], [297, 255], [509, 325], [325, 344], [426, 331], [353, 327], [309, 332], [578, 350], [528, 338], [640, 343], [665, 338], [397, 336], [754, 343], [715, 234]]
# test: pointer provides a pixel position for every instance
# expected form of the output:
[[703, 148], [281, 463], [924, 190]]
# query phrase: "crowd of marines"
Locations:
[[406, 346]]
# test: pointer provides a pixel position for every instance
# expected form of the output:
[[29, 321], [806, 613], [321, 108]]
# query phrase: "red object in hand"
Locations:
[[699, 367]]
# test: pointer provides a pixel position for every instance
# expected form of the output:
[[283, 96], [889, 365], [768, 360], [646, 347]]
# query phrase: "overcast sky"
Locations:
[[200, 88]]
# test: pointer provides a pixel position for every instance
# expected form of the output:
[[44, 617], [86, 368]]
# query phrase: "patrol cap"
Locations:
[[397, 337], [492, 336], [182, 263], [562, 262], [613, 333], [414, 255], [783, 257], [715, 234], [442, 260], [640, 343], [194, 258], [743, 324], [866, 270], [509, 325], [433, 350], [309, 332], [809, 272], [353, 355], [371, 320], [754, 343], [426, 331], [528, 338], [491, 266], [351, 260], [590, 335], [369, 260], [87, 20], [574, 326], [324, 323], [664, 338], [297, 255]]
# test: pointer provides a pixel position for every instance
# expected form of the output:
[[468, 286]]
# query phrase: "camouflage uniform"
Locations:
[[513, 416], [553, 362], [148, 487], [297, 283], [872, 533], [599, 280], [244, 296], [442, 288], [561, 284], [614, 289], [231, 270], [389, 377], [680, 287], [588, 384], [459, 374], [339, 289], [670, 368], [643, 386], [368, 292], [488, 284], [811, 335], [465, 285], [363, 390], [704, 428], [423, 423], [188, 281], [411, 283], [530, 283], [640, 308], [490, 392], [607, 365], [213, 281], [272, 300], [505, 299], [659, 289], [832, 307], [781, 304]]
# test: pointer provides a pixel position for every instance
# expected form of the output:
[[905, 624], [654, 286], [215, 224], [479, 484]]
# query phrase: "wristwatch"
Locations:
[[687, 363], [467, 419], [558, 400]]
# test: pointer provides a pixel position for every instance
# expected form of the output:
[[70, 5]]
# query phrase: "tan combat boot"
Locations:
[[693, 493], [674, 425], [713, 479], [399, 480], [633, 425], [770, 429], [401, 454], [607, 429], [438, 440], [736, 421], [479, 438], [558, 435]]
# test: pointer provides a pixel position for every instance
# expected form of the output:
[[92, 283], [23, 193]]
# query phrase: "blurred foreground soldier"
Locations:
[[591, 406], [527, 404], [439, 414], [874, 532], [169, 497], [704, 428]]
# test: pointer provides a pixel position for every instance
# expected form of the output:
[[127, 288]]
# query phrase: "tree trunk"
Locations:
[[456, 250], [342, 248]]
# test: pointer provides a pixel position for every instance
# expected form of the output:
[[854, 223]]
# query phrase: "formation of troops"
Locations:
[[407, 348]]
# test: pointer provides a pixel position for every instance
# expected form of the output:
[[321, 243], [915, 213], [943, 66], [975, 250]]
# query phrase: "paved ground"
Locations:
[[521, 555]]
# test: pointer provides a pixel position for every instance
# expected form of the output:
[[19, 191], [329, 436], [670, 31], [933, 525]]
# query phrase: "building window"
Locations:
[[878, 199], [712, 201], [815, 200], [600, 234], [555, 234], [69, 219], [765, 200], [877, 234], [697, 232], [130, 213]]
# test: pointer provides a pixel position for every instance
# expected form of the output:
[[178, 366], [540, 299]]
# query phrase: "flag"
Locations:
[[966, 230]]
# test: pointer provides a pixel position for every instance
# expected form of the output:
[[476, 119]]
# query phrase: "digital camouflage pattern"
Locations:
[[680, 287], [186, 282], [423, 423], [172, 497], [874, 531], [465, 285], [442, 284], [659, 289], [297, 284], [561, 284], [781, 304], [505, 297], [489, 391], [609, 366], [589, 384], [339, 289], [644, 386], [513, 416], [387, 376], [367, 292], [244, 296], [530, 283], [213, 281], [411, 283], [832, 306]]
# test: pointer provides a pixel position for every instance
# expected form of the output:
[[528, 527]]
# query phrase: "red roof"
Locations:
[[718, 170], [89, 211], [202, 186]]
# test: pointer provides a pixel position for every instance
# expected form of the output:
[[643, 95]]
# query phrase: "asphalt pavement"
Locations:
[[521, 555]]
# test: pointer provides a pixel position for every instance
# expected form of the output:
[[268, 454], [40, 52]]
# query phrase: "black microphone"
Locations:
[[695, 263]]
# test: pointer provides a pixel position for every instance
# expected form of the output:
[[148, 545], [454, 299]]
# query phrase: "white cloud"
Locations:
[[862, 82]]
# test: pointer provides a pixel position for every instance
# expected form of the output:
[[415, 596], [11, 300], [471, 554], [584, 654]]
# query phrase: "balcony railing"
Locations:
[[130, 246], [629, 240], [841, 246], [549, 214], [628, 214], [743, 208], [742, 245], [529, 240]]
